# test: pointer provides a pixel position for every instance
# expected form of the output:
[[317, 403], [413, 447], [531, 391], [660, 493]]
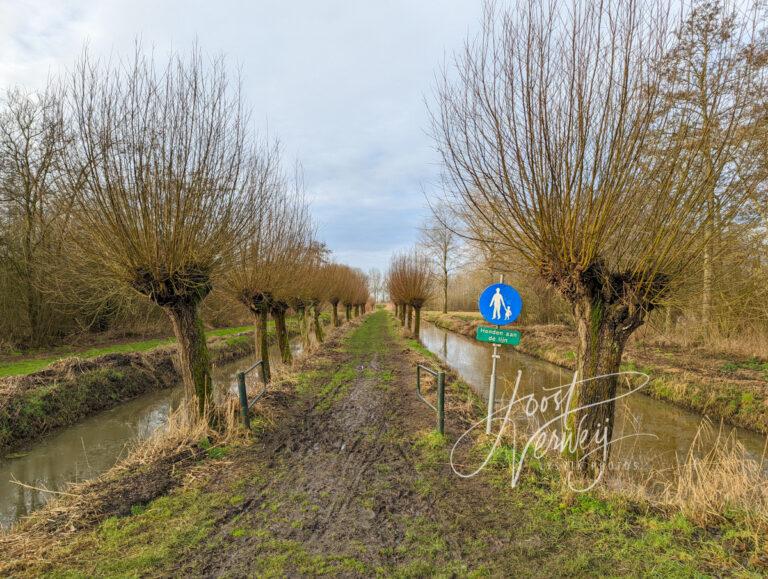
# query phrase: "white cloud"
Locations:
[[342, 83]]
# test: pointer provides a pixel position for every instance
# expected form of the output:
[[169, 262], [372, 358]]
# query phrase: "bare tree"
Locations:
[[337, 276], [705, 81], [375, 282], [320, 291], [307, 290], [546, 140], [441, 242], [167, 167], [265, 272], [35, 207], [354, 292]]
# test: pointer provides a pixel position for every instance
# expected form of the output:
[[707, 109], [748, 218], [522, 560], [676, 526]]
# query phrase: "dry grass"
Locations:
[[712, 485], [716, 484], [746, 345], [169, 458]]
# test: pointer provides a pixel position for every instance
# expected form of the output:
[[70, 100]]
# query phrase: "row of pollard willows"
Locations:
[[410, 285], [174, 195]]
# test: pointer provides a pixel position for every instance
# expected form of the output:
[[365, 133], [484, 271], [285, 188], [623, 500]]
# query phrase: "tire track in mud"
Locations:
[[339, 472]]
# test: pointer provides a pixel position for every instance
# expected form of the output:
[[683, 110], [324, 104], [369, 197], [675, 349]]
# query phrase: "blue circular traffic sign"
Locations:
[[500, 304]]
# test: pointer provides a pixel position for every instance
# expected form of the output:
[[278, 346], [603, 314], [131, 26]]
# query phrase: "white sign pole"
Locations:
[[492, 393]]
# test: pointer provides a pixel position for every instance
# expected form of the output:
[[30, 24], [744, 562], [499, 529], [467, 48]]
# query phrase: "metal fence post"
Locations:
[[441, 402], [243, 399], [418, 379]]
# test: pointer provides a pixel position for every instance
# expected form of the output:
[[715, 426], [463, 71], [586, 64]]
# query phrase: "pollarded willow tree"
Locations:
[[298, 258], [319, 291], [550, 140], [409, 280], [263, 273], [337, 276], [306, 295], [354, 292], [162, 168], [347, 286]]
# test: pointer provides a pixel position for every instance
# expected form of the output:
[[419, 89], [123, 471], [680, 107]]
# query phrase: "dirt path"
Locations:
[[354, 483]]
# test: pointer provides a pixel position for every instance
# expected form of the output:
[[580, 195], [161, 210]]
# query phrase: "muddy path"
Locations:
[[350, 483]]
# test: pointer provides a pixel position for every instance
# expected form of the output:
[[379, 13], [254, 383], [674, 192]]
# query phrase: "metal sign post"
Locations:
[[492, 393], [500, 305]]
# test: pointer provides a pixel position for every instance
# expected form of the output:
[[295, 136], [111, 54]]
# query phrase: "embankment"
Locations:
[[68, 391], [707, 382]]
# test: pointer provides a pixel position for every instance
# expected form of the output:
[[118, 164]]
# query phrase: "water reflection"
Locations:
[[90, 447], [672, 429]]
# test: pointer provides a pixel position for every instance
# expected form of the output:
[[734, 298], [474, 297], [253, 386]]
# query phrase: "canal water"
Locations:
[[660, 434], [90, 447]]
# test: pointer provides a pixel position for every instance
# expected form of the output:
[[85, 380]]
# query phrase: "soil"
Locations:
[[342, 472], [352, 480]]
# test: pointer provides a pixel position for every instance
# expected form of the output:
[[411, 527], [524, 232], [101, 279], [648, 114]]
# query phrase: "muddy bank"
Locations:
[[735, 391], [70, 390]]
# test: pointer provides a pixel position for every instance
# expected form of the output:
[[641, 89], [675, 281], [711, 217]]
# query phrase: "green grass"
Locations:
[[535, 529], [134, 545], [30, 365], [751, 364]]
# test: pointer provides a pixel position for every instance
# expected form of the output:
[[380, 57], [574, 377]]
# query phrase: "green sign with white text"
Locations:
[[498, 336]]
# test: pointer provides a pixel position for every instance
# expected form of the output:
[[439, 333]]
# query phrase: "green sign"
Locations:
[[498, 336]]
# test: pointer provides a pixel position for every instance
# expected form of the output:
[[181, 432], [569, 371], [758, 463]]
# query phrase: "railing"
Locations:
[[440, 377], [245, 404]]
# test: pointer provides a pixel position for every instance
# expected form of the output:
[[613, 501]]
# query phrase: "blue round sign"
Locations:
[[500, 304]]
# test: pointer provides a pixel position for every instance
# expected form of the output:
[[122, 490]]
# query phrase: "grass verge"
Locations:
[[28, 365]]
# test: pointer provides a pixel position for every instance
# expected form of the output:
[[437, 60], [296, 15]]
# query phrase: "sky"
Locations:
[[344, 85]]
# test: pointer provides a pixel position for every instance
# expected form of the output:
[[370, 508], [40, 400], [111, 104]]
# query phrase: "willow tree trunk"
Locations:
[[194, 360], [281, 331], [416, 321], [408, 316], [336, 322], [589, 430], [262, 341], [348, 312], [706, 292], [445, 287], [304, 323], [318, 326], [402, 314], [397, 311]]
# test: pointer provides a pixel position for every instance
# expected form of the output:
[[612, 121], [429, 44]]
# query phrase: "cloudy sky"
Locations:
[[342, 83]]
